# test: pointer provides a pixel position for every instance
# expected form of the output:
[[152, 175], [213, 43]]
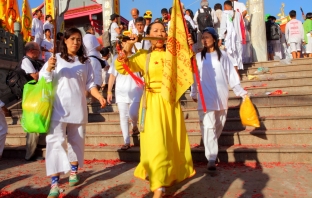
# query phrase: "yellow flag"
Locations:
[[177, 73], [26, 21], [12, 14], [49, 8], [3, 5]]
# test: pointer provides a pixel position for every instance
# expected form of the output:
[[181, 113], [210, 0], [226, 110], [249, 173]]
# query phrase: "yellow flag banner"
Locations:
[[3, 6], [12, 14], [177, 73], [26, 21], [49, 7]]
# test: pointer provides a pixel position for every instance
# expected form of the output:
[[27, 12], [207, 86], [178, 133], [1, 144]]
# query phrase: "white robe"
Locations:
[[230, 31], [215, 76]]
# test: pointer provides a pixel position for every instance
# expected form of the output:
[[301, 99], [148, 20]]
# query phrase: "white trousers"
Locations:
[[126, 111], [3, 130], [57, 159], [211, 126], [237, 57]]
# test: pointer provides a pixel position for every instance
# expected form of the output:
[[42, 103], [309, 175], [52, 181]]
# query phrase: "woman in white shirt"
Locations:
[[72, 75], [128, 96], [216, 73], [47, 45]]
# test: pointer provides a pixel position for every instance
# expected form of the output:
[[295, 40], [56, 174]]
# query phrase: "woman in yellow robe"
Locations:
[[165, 150]]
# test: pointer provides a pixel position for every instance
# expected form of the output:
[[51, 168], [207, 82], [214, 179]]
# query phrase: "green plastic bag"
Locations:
[[37, 106]]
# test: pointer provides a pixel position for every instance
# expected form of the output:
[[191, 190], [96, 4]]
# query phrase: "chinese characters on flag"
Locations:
[[49, 7]]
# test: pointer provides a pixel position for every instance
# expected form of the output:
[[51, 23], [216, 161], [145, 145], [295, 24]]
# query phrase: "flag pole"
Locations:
[[194, 64], [54, 31]]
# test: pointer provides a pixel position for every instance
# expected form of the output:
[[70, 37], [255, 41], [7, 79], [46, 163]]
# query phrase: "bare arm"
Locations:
[[110, 87], [35, 76]]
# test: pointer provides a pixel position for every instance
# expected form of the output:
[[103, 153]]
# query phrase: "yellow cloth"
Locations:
[[26, 21], [165, 148], [12, 14]]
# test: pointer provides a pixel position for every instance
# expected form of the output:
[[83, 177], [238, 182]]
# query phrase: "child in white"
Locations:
[[294, 34], [3, 128], [128, 96], [47, 45], [216, 73], [72, 75]]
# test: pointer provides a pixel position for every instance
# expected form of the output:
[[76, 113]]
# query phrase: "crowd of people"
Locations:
[[82, 68]]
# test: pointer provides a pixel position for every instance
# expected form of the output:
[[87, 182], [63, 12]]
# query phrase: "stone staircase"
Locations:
[[285, 134]]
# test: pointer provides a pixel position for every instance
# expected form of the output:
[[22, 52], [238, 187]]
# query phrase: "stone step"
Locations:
[[227, 138], [284, 68], [295, 81], [232, 124], [235, 153], [279, 75], [191, 112], [278, 63]]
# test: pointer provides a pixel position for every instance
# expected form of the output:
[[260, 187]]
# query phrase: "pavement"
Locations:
[[113, 178]]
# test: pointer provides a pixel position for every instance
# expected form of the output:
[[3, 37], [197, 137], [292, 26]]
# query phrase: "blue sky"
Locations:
[[271, 6]]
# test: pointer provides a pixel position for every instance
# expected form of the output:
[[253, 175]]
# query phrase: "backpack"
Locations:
[[17, 78], [192, 31], [272, 31], [107, 37], [204, 19], [103, 63]]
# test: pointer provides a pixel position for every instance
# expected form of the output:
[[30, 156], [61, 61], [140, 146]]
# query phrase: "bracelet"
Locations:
[[109, 92]]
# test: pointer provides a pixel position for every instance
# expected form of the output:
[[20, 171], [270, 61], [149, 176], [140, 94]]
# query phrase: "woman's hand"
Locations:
[[102, 101], [51, 64], [190, 40]]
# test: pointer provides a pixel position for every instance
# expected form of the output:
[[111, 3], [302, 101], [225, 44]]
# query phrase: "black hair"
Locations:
[[309, 15], [140, 20], [191, 13], [58, 35], [87, 27], [170, 10], [105, 51], [46, 30], [37, 11], [218, 6], [81, 51], [229, 3], [273, 18], [292, 13], [164, 11], [215, 45], [48, 16], [270, 17], [149, 27]]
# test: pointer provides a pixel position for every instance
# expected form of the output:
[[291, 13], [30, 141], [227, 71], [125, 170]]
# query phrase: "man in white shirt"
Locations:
[[93, 48], [135, 14], [48, 24], [37, 29], [294, 34], [31, 67], [115, 31], [144, 44], [204, 6], [3, 128], [230, 31]]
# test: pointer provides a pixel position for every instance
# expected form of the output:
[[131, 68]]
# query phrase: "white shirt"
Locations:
[[239, 6], [37, 28], [227, 14], [132, 27], [213, 16], [215, 76], [91, 43], [48, 25], [294, 31], [1, 103], [27, 66], [126, 90], [97, 69], [70, 82], [144, 44], [47, 45], [113, 32]]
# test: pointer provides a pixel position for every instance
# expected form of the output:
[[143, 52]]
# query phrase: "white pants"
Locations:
[[295, 47], [211, 126], [236, 57], [3, 130], [126, 111], [39, 40], [57, 159]]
